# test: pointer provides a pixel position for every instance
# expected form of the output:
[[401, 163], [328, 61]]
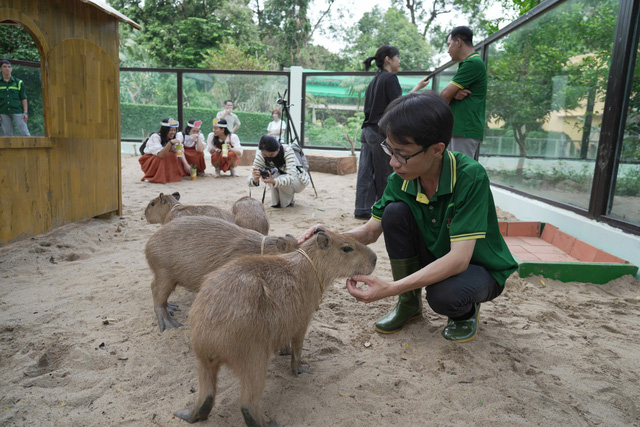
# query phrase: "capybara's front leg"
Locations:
[[207, 381], [296, 354]]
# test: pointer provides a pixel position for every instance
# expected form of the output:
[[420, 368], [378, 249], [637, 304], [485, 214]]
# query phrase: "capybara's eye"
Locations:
[[347, 249], [153, 203]]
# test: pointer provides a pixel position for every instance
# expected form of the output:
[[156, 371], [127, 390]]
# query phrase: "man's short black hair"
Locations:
[[463, 33], [424, 117], [4, 61]]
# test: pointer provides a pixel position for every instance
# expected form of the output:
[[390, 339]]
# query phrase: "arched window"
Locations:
[[20, 48]]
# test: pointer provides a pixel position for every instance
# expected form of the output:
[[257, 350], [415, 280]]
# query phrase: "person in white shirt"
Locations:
[[160, 162], [216, 140], [194, 145], [277, 128]]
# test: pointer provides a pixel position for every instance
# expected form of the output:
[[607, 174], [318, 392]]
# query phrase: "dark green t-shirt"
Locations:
[[468, 114], [461, 209], [11, 95]]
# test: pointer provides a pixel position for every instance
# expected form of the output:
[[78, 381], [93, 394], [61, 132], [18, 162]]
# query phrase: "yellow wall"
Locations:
[[73, 172]]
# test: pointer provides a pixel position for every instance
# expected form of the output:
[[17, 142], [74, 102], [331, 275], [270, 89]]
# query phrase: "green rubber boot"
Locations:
[[462, 330], [409, 304]]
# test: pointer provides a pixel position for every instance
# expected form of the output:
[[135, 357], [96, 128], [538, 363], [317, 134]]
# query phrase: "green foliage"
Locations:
[[629, 183], [229, 56], [17, 43], [376, 28], [174, 33], [136, 119]]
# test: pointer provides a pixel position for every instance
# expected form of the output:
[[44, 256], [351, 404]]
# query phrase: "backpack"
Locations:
[[300, 155]]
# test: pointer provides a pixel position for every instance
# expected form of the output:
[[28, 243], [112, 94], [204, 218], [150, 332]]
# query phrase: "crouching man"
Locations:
[[439, 223]]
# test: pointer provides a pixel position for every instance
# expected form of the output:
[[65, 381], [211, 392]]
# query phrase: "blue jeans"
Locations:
[[453, 297], [373, 171], [7, 125]]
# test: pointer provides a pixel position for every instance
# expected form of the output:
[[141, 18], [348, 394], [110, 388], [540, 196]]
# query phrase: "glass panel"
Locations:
[[547, 83], [254, 97], [334, 108], [145, 99], [626, 200]]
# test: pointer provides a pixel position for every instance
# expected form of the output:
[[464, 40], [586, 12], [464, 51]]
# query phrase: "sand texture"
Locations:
[[80, 345]]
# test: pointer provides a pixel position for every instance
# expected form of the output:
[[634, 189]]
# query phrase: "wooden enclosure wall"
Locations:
[[72, 173]]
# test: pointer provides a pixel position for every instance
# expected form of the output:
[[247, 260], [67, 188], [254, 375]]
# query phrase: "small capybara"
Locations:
[[255, 305], [186, 249], [164, 208], [250, 213]]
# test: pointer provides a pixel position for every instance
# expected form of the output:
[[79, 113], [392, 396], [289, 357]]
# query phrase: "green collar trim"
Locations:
[[446, 183]]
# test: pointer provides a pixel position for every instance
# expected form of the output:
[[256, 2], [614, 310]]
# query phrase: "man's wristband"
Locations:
[[26, 112]]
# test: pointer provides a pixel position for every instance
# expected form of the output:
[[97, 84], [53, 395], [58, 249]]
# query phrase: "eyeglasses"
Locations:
[[399, 157]]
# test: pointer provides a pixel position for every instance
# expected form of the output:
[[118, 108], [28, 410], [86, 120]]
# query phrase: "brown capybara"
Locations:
[[255, 305], [164, 208], [186, 249], [250, 213]]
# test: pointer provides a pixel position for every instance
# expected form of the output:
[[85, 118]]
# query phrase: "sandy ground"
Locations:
[[80, 346]]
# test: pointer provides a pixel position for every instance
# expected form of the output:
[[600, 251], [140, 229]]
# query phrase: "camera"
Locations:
[[264, 172], [280, 101]]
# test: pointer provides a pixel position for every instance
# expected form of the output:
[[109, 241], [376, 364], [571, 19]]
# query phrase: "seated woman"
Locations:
[[194, 145], [222, 135], [277, 127], [160, 163], [286, 177]]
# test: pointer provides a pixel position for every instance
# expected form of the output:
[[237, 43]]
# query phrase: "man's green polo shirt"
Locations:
[[468, 114], [461, 209], [11, 95]]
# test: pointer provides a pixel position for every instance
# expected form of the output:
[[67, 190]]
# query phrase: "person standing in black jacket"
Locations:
[[373, 166]]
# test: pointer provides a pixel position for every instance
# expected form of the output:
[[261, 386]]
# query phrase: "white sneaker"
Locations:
[[217, 173], [233, 172]]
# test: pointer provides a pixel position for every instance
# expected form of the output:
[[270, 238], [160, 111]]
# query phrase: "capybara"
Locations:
[[250, 213], [255, 305], [164, 208], [186, 249]]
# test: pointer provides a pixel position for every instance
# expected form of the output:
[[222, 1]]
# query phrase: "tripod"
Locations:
[[293, 142]]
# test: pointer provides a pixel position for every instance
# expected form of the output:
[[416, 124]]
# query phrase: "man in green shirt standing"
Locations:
[[13, 102], [466, 93], [439, 223]]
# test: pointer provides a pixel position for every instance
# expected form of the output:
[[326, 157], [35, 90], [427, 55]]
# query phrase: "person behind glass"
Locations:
[[277, 127], [439, 223], [287, 176], [373, 166], [227, 114], [160, 163], [223, 158], [194, 145]]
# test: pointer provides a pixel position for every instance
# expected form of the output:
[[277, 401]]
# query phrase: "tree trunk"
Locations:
[[586, 129]]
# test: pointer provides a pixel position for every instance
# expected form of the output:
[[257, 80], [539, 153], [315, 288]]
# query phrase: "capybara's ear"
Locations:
[[282, 244], [289, 236], [176, 195], [163, 198], [323, 240]]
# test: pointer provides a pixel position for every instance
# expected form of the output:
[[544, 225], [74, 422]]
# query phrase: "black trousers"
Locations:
[[453, 297]]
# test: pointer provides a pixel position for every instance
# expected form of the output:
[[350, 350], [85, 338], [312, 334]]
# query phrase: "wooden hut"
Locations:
[[73, 172]]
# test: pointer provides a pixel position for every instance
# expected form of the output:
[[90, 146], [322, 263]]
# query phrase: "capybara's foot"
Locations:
[[250, 421], [300, 369], [196, 414], [172, 308], [164, 319]]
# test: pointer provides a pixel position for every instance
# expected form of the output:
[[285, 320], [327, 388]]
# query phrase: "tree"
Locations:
[[17, 43], [175, 33], [391, 27]]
